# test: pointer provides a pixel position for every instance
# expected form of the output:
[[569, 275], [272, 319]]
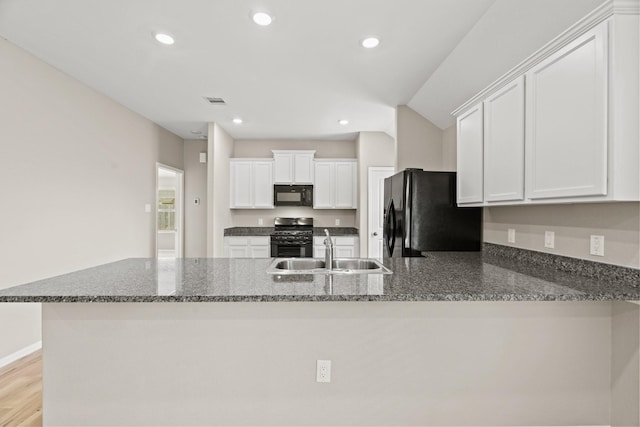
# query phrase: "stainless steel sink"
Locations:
[[317, 266], [298, 264]]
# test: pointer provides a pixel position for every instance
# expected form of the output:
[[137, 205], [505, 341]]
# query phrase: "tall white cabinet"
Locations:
[[470, 166], [251, 184], [566, 121], [504, 143], [335, 184], [562, 126]]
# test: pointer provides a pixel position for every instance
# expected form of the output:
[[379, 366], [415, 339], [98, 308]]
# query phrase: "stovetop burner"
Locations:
[[290, 230]]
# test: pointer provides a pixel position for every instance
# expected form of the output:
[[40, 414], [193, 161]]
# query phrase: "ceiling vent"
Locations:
[[214, 101]]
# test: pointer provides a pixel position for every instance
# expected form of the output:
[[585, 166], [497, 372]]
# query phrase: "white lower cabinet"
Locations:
[[247, 247], [343, 246]]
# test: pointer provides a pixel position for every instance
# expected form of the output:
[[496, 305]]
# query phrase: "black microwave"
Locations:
[[293, 195]]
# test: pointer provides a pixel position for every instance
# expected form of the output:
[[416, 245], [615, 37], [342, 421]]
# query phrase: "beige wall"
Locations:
[[195, 186], [572, 224], [393, 363], [324, 149], [449, 149], [374, 149], [220, 149], [418, 141], [82, 168]]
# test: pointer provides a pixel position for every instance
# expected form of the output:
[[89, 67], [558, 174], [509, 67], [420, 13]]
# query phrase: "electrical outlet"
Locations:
[[323, 371], [549, 239], [597, 245], [337, 221], [260, 221], [511, 235]]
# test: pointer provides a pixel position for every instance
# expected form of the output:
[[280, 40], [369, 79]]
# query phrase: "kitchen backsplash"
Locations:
[[321, 217]]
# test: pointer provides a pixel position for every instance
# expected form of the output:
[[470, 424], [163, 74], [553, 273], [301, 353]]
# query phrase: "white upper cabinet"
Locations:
[[335, 184], [566, 120], [251, 184], [293, 166], [504, 143], [469, 177], [581, 107]]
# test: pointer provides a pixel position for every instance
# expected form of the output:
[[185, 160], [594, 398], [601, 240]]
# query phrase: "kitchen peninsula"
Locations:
[[452, 338]]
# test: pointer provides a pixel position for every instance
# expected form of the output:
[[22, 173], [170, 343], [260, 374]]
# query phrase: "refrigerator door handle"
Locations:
[[390, 228]]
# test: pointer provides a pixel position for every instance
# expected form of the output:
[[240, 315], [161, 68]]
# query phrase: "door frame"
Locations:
[[179, 243], [370, 220]]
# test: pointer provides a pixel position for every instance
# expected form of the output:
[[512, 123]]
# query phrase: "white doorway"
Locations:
[[169, 212], [377, 174]]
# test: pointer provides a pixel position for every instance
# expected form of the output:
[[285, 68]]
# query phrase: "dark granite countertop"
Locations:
[[265, 231], [439, 276]]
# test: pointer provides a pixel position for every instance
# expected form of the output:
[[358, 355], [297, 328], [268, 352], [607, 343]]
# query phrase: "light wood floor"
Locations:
[[21, 392]]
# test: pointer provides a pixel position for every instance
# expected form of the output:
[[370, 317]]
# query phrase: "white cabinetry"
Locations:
[[504, 143], [343, 246], [566, 120], [293, 166], [251, 184], [469, 126], [247, 247], [335, 184], [581, 107]]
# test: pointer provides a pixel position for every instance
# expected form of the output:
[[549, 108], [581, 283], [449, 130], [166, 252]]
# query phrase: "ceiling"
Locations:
[[297, 77]]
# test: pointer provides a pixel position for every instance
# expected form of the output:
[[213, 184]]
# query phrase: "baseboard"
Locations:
[[20, 353]]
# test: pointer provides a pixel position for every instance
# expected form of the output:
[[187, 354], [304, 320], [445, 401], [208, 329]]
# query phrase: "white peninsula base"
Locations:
[[393, 363]]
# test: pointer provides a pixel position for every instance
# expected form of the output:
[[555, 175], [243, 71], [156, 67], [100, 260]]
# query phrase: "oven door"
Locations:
[[280, 250]]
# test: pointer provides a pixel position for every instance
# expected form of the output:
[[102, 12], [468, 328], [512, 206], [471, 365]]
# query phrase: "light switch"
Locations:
[[147, 208], [597, 245]]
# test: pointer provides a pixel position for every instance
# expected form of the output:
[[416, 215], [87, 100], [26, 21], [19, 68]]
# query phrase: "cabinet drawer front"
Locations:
[[259, 240], [345, 241], [237, 241]]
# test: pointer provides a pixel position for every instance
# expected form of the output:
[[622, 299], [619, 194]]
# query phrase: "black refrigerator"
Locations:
[[420, 214]]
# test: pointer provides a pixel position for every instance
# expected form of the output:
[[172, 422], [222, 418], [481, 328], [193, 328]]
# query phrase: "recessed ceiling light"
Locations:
[[164, 38], [343, 122], [237, 121], [370, 42], [262, 18]]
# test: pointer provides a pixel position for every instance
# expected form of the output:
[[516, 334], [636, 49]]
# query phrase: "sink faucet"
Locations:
[[328, 252]]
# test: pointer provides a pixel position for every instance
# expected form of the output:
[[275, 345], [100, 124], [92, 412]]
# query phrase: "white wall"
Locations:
[[220, 149], [374, 149], [78, 169], [418, 141], [195, 186]]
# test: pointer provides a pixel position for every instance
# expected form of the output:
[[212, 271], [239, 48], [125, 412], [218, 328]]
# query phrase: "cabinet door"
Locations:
[[566, 120], [318, 251], [504, 143], [241, 186], [283, 168], [345, 185], [262, 185], [260, 252], [303, 168], [323, 185], [470, 156], [344, 252]]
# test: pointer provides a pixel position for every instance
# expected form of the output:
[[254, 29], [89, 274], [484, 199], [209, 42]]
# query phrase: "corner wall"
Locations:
[[78, 169], [418, 141], [195, 186], [220, 149], [373, 149]]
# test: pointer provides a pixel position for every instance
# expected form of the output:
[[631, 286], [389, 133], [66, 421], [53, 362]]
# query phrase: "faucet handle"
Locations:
[[326, 231]]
